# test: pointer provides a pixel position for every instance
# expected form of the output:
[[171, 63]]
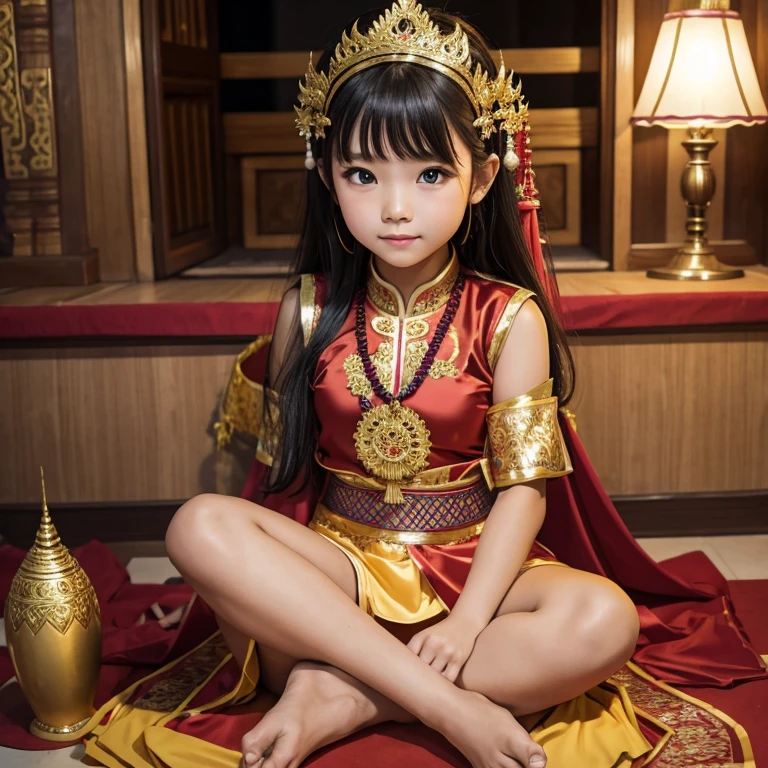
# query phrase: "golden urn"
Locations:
[[53, 629]]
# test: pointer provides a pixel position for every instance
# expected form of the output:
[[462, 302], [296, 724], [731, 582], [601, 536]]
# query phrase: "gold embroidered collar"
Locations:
[[424, 300]]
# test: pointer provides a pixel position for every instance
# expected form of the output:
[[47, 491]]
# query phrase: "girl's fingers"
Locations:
[[451, 672], [416, 642], [427, 655]]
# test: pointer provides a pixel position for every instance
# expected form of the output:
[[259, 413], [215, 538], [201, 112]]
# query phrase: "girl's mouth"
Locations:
[[400, 241]]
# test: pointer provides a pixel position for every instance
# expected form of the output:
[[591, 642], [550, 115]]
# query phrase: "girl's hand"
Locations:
[[446, 646]]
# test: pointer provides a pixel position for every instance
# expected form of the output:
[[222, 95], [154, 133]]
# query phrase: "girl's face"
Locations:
[[406, 211]]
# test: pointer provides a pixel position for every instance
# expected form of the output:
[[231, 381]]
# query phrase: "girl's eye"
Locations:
[[360, 176], [432, 175]]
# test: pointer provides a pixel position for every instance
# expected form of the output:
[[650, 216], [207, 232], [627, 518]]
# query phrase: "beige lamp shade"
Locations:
[[701, 73]]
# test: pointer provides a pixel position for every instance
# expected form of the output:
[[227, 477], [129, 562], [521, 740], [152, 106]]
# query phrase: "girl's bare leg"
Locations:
[[557, 633], [233, 553]]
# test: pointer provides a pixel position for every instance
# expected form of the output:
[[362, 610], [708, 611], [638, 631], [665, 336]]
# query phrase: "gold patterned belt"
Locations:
[[424, 511], [362, 536]]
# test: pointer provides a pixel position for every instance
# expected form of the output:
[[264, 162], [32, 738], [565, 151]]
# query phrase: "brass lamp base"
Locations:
[[695, 266], [696, 260], [59, 733]]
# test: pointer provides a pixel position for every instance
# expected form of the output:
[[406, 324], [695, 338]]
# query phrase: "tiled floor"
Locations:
[[737, 557]]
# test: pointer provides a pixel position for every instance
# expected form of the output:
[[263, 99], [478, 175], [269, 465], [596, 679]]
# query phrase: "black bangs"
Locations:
[[401, 108]]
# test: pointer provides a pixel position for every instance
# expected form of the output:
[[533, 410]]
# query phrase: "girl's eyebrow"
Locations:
[[432, 159]]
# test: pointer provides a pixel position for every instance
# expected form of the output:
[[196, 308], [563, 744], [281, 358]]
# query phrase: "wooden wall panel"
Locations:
[[620, 142], [105, 137], [293, 64], [120, 423], [649, 150], [263, 133], [746, 182], [666, 413], [137, 137]]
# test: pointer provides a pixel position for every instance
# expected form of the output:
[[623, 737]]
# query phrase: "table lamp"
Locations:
[[701, 77]]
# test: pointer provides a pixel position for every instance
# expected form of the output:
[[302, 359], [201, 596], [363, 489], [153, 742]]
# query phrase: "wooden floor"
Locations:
[[270, 289]]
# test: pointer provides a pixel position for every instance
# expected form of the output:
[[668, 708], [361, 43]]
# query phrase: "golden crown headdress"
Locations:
[[405, 32]]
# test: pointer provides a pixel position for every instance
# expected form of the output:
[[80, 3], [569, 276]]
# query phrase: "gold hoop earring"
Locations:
[[336, 227], [469, 225]]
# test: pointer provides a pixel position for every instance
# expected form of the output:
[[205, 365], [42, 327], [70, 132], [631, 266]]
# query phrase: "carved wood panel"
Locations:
[[44, 201], [184, 133]]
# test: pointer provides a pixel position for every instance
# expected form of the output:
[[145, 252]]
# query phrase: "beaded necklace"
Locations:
[[391, 440]]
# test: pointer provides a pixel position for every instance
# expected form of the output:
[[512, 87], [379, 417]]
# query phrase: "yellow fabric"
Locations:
[[389, 583], [595, 730], [128, 736], [598, 728]]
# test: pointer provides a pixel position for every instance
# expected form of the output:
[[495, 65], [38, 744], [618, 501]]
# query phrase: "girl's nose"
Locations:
[[397, 207]]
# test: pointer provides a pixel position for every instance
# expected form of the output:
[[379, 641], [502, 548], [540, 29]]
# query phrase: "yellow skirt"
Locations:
[[390, 584]]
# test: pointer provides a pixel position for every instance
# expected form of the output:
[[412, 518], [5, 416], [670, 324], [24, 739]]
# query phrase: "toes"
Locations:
[[526, 752], [257, 742], [283, 754]]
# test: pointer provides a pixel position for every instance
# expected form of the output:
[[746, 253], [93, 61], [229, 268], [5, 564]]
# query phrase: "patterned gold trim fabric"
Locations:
[[424, 300], [243, 409], [363, 535], [524, 438], [505, 323], [310, 311], [435, 479]]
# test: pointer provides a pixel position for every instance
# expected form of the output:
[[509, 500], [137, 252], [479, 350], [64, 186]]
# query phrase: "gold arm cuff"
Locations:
[[505, 323], [525, 440], [242, 408]]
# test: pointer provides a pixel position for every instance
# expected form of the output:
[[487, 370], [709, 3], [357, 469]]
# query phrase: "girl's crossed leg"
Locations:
[[557, 633]]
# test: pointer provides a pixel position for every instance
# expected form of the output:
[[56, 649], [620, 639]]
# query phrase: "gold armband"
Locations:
[[524, 438], [244, 411]]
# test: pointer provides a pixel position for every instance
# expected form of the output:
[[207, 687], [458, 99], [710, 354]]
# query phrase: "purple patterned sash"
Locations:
[[423, 510]]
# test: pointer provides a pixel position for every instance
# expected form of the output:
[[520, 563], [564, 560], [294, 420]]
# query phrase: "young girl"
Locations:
[[417, 367]]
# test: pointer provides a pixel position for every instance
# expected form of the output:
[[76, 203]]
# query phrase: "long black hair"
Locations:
[[408, 109]]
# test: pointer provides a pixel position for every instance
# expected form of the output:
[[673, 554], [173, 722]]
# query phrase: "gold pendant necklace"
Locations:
[[392, 440]]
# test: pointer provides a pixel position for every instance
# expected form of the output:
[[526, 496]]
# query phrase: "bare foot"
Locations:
[[320, 705], [488, 735]]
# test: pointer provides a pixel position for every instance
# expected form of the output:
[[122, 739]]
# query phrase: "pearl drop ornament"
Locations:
[[309, 160], [511, 160]]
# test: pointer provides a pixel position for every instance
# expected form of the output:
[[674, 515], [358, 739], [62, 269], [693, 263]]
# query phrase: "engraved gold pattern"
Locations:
[[406, 33], [12, 125], [392, 442], [50, 587], [525, 440], [508, 316], [384, 359], [356, 381], [365, 536], [310, 311], [433, 479], [697, 734], [242, 409], [425, 299], [38, 106], [385, 325], [170, 693]]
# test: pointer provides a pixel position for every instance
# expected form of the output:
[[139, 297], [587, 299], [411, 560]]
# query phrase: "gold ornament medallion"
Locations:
[[392, 443]]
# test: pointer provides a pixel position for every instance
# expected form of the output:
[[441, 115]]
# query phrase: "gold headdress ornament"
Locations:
[[405, 32]]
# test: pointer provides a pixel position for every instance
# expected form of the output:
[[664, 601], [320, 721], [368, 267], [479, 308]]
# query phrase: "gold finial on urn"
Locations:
[[53, 629]]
